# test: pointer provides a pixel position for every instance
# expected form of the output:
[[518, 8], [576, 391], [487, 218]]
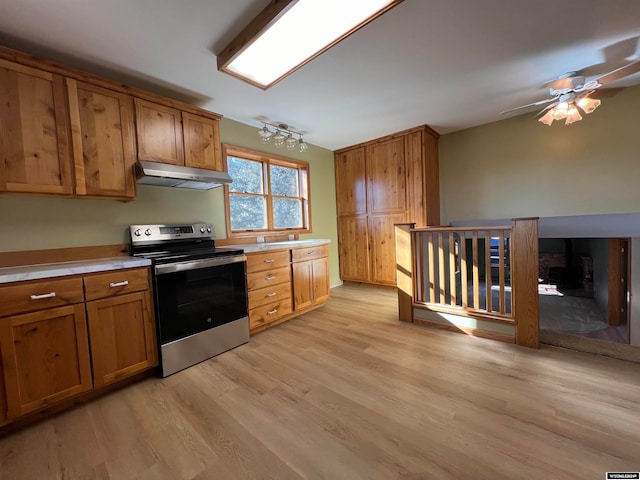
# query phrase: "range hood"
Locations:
[[165, 175]]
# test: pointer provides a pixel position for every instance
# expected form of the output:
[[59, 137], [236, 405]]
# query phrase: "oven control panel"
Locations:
[[146, 233]]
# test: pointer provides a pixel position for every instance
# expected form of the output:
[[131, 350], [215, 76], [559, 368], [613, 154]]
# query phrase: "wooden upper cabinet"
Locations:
[[34, 147], [386, 176], [159, 133], [103, 141], [351, 183], [423, 182], [201, 142]]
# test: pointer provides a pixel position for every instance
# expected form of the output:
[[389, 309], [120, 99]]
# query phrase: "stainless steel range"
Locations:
[[200, 292]]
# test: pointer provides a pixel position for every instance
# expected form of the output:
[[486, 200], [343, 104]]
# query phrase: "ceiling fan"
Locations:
[[571, 91]]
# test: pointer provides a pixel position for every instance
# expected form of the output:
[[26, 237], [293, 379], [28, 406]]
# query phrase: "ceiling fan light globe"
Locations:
[[573, 115], [588, 105], [560, 111], [547, 118]]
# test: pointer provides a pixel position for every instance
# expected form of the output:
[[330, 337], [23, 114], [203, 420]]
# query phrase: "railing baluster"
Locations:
[[476, 274], [453, 299], [432, 274], [463, 270], [501, 269], [487, 273], [441, 280]]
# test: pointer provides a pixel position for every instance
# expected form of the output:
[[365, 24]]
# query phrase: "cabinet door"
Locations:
[[386, 177], [3, 393], [302, 285], [45, 357], [159, 133], [122, 337], [351, 185], [353, 245], [34, 149], [320, 271], [383, 248], [201, 142], [102, 139]]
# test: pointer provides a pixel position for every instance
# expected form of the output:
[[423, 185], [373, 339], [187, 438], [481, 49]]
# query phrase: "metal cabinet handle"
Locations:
[[119, 284], [269, 277], [272, 294], [269, 260], [313, 252], [271, 312], [44, 295]]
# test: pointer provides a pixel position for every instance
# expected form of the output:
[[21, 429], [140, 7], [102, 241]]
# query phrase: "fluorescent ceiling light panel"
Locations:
[[288, 34]]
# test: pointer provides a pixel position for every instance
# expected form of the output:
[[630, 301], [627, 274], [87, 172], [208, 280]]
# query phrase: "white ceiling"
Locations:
[[451, 64]]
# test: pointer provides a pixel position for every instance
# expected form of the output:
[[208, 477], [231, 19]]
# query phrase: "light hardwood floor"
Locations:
[[346, 392]]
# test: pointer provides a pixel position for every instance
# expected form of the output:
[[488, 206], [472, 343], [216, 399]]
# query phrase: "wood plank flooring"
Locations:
[[347, 392]]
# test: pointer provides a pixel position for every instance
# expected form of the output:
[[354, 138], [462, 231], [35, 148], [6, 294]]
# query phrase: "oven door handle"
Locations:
[[196, 264]]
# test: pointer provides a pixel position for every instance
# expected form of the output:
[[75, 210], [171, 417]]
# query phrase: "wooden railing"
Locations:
[[488, 273], [459, 266]]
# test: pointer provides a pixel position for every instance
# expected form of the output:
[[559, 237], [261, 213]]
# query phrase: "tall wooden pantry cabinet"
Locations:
[[393, 179]]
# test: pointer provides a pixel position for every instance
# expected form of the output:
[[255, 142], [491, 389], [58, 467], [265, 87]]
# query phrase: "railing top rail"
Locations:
[[462, 229]]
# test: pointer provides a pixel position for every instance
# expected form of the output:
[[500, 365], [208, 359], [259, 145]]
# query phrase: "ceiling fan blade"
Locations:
[[544, 110], [534, 104], [619, 73]]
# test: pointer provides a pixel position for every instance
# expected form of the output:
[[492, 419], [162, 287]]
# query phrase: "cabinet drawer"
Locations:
[[262, 296], [309, 253], [116, 283], [257, 262], [269, 313], [39, 295], [269, 277]]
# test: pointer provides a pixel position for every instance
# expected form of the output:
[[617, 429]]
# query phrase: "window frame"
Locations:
[[267, 159]]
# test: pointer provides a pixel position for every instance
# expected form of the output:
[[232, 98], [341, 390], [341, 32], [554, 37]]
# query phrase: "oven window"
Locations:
[[193, 301]]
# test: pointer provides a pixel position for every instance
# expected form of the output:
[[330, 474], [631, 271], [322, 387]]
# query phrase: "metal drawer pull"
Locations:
[[269, 277], [313, 252], [119, 284], [44, 295], [271, 312], [272, 294], [269, 260]]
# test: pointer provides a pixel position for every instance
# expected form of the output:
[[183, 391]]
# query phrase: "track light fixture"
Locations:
[[282, 135]]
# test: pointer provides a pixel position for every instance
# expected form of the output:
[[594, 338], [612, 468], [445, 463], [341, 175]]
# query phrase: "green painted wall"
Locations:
[[34, 223], [520, 167]]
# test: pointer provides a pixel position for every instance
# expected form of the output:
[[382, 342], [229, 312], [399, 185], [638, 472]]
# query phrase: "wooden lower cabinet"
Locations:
[[270, 313], [283, 284], [383, 248], [121, 333], [45, 358], [3, 395], [310, 283], [61, 337], [353, 247], [269, 287]]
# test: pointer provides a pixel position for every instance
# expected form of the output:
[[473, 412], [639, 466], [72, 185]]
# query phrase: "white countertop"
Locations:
[[261, 247], [59, 269]]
